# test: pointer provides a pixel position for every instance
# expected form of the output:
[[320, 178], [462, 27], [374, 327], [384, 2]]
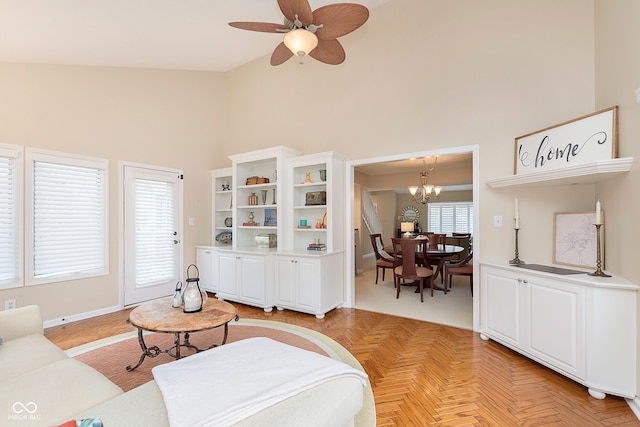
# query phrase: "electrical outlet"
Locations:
[[497, 221], [9, 304]]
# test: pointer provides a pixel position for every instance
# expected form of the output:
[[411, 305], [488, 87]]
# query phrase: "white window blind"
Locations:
[[454, 217], [10, 214], [68, 218], [155, 232]]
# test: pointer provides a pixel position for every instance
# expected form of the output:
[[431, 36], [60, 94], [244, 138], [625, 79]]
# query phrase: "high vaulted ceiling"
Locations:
[[166, 34]]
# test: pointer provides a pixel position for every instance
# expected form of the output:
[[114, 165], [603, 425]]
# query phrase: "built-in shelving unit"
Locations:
[[267, 214], [588, 173], [221, 212], [265, 192], [324, 221]]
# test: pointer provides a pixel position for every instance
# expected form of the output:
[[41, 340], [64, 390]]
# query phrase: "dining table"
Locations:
[[438, 253]]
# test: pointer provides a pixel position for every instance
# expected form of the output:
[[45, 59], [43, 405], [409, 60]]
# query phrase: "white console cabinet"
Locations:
[[308, 283], [581, 326]]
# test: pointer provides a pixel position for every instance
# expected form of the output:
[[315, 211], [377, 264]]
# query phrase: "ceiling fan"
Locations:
[[312, 33]]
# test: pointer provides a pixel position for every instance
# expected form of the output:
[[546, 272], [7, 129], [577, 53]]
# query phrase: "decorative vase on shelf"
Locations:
[[263, 193], [274, 201], [323, 174]]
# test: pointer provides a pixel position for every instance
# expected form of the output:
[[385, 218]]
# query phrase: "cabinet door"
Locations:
[[252, 279], [285, 281], [307, 279], [206, 267], [502, 306], [227, 275], [557, 329]]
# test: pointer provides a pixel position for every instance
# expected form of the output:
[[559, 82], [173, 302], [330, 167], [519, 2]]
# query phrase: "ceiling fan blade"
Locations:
[[265, 27], [280, 54], [291, 8], [339, 19], [329, 51]]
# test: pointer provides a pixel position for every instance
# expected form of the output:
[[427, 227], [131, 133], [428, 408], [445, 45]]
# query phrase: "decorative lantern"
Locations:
[[253, 199], [176, 301], [193, 296]]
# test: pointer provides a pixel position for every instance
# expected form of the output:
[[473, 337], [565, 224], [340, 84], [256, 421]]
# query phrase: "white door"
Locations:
[[152, 233]]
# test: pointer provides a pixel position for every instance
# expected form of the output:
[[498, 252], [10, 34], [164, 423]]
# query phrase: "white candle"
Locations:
[[598, 213], [517, 215]]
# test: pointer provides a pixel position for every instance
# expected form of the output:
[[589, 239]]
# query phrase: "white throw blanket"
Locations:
[[222, 386]]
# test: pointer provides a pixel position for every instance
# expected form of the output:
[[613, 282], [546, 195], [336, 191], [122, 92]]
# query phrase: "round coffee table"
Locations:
[[159, 316]]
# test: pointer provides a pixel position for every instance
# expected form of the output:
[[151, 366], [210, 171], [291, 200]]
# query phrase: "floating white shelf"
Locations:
[[588, 173]]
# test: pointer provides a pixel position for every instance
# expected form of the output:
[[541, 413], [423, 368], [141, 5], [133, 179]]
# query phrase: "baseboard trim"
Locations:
[[634, 404], [80, 316]]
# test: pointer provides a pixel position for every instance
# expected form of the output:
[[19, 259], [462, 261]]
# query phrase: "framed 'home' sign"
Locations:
[[583, 140]]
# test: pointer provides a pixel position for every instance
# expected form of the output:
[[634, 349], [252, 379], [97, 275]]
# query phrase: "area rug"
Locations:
[[111, 356]]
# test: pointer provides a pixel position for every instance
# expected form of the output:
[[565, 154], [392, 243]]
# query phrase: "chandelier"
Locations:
[[426, 189]]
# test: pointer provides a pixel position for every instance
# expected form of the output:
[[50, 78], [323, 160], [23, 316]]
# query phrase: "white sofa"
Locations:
[[41, 384]]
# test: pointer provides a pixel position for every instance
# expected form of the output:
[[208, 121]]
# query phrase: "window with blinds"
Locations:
[[10, 217], [67, 217], [155, 232], [453, 217]]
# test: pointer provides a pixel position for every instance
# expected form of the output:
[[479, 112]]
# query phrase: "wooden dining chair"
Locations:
[[383, 260], [461, 268], [404, 251]]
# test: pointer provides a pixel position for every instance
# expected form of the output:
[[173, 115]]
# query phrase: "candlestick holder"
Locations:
[[516, 260], [598, 271]]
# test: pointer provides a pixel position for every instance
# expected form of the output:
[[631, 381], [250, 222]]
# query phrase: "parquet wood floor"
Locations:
[[426, 374]]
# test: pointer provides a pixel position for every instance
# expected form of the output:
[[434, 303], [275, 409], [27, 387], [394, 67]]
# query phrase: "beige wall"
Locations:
[[617, 77], [162, 118], [420, 75], [427, 75]]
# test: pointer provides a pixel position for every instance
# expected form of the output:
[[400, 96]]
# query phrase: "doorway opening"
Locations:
[[354, 235]]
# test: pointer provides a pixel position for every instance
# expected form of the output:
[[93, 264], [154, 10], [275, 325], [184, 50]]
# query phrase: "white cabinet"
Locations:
[[581, 326], [245, 278], [268, 195], [206, 261], [308, 283]]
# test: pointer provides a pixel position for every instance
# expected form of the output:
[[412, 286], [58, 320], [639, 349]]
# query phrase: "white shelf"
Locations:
[[588, 173], [311, 184], [311, 207]]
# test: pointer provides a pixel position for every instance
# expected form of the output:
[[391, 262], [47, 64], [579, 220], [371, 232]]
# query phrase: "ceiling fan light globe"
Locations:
[[300, 41]]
